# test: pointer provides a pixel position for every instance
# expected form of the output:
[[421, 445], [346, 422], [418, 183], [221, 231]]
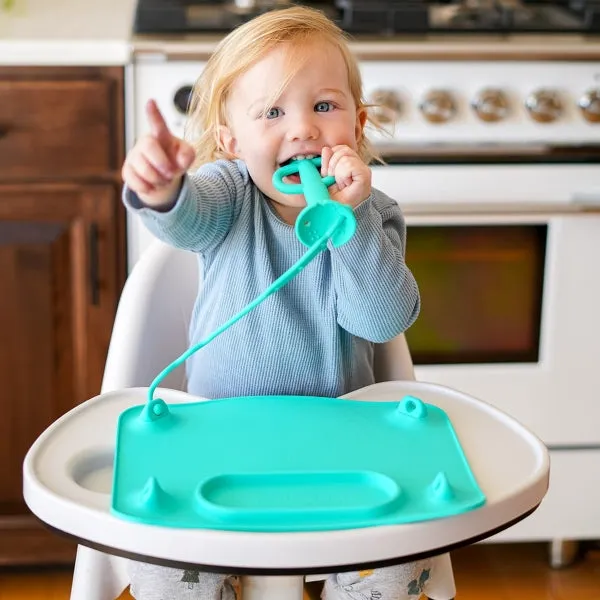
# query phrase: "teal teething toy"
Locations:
[[347, 481], [321, 211]]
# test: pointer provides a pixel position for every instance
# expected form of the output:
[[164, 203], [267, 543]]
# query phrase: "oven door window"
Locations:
[[481, 292]]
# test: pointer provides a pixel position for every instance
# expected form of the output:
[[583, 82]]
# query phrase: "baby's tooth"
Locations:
[[303, 156]]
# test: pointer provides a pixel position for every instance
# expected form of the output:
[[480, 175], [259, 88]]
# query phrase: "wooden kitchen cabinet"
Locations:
[[62, 267]]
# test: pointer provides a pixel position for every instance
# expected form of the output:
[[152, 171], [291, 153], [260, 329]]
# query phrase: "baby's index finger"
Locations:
[[158, 126]]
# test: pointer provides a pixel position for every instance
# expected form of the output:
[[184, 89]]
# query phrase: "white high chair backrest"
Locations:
[[151, 325]]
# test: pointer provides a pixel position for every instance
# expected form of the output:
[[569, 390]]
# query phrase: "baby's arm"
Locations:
[[377, 295], [202, 213], [190, 212]]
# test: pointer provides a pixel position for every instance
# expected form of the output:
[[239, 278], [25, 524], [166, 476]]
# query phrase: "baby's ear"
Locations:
[[361, 121], [227, 142]]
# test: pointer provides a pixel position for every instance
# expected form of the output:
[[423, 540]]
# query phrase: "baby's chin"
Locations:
[[290, 200], [288, 208], [293, 203]]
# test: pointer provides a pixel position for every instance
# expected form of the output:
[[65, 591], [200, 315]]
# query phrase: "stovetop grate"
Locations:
[[379, 17]]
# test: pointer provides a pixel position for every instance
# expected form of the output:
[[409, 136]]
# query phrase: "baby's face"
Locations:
[[316, 109]]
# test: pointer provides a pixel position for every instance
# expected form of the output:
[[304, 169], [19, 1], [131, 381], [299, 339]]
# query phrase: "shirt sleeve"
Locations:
[[377, 295], [204, 211]]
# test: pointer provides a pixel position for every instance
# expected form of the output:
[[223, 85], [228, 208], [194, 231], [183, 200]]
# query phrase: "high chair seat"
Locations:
[[68, 470]]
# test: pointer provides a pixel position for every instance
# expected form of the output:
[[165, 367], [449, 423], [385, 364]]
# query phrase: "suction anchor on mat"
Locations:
[[154, 410], [440, 488], [412, 407], [153, 497]]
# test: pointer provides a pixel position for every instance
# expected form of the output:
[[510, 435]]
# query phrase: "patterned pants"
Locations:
[[401, 582]]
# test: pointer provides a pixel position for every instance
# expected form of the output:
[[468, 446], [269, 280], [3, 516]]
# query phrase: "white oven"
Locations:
[[506, 257], [496, 166]]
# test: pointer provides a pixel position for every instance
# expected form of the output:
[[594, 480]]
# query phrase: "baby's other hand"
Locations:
[[352, 176], [154, 167]]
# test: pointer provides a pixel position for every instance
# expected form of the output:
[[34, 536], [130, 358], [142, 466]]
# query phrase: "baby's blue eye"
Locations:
[[323, 106], [272, 113]]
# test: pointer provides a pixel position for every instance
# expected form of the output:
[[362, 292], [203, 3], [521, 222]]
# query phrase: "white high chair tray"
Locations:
[[68, 476]]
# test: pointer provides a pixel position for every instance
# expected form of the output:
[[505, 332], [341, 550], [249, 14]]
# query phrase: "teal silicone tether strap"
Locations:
[[315, 249], [321, 220]]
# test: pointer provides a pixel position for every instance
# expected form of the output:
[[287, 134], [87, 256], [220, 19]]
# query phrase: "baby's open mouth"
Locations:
[[297, 157], [295, 178]]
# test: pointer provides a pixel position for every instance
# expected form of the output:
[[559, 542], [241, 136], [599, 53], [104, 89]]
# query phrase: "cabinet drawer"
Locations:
[[55, 129]]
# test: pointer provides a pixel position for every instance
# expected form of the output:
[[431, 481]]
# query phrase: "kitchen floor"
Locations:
[[483, 572]]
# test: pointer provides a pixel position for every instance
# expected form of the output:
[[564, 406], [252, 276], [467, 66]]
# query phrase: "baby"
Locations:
[[281, 87]]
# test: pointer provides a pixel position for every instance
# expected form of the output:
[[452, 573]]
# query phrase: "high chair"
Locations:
[[67, 472]]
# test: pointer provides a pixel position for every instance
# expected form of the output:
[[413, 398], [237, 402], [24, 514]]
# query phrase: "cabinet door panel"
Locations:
[[55, 322], [55, 128]]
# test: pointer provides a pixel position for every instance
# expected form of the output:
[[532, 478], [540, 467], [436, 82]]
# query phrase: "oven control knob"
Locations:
[[182, 98], [544, 105], [386, 106], [589, 104], [490, 105], [438, 106]]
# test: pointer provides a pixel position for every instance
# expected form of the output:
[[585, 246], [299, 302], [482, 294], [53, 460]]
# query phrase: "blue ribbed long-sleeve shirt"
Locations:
[[315, 336]]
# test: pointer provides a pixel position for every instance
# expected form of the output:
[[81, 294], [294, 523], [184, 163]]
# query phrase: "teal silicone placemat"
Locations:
[[289, 463]]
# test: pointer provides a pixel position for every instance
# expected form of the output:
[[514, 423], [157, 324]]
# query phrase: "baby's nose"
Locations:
[[303, 128]]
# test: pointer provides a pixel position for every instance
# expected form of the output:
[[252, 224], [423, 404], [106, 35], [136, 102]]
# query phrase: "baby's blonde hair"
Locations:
[[243, 48]]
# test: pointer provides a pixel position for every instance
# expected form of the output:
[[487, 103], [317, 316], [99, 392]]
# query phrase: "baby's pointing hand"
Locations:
[[154, 166], [352, 176]]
